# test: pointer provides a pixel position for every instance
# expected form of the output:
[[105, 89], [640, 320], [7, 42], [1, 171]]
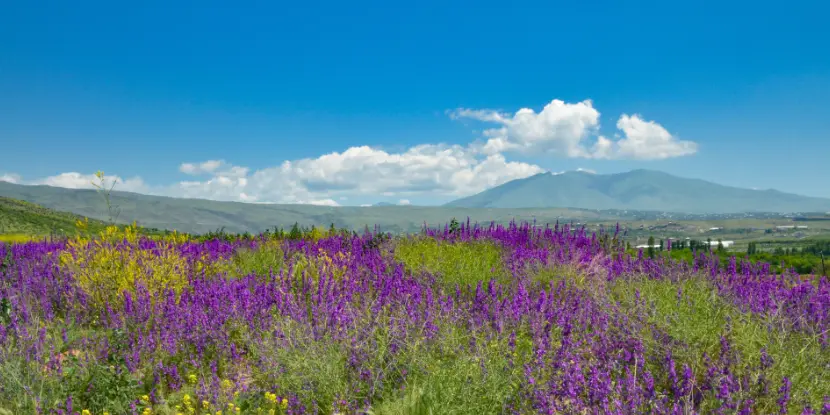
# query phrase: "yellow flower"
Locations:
[[86, 412], [284, 403], [147, 411], [192, 379], [205, 404], [145, 398], [227, 384]]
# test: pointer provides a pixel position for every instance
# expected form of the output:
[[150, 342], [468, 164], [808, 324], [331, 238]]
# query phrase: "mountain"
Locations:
[[200, 216], [637, 190]]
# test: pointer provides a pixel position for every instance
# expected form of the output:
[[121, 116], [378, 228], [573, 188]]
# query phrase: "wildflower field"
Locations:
[[518, 319]]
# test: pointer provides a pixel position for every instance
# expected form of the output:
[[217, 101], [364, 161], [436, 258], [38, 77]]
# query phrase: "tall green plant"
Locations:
[[101, 187]]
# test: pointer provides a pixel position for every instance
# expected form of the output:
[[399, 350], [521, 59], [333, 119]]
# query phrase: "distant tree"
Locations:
[[454, 226], [720, 246], [661, 245], [295, 232], [650, 247], [709, 243]]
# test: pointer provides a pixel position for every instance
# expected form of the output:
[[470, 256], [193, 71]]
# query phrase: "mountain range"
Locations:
[[547, 197], [200, 215], [637, 190]]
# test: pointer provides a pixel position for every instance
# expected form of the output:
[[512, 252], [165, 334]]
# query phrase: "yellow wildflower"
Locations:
[[205, 404], [86, 412], [145, 398], [227, 384], [192, 379], [284, 403], [271, 397]]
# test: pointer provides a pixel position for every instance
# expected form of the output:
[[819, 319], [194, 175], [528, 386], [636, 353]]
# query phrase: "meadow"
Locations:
[[463, 319]]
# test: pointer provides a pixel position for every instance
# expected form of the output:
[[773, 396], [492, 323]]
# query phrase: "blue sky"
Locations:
[[403, 98]]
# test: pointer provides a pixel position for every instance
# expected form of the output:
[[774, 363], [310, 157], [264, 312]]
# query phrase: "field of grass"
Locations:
[[461, 320]]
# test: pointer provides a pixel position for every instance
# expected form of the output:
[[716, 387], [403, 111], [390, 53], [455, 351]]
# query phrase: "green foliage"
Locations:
[[650, 248], [453, 263], [806, 260], [261, 261], [692, 314], [100, 387]]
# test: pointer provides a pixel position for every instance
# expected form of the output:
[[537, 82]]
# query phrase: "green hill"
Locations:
[[25, 218]]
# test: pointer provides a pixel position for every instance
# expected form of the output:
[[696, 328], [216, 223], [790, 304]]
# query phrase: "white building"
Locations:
[[726, 244]]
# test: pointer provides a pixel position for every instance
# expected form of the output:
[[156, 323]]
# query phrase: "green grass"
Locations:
[[453, 263], [699, 319]]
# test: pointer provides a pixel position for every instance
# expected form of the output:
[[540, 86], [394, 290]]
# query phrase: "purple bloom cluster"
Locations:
[[565, 347]]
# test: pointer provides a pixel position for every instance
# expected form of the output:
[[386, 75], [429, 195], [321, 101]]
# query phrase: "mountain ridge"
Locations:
[[638, 189]]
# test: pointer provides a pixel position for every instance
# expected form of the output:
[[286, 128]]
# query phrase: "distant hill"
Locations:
[[20, 217], [637, 190], [200, 216]]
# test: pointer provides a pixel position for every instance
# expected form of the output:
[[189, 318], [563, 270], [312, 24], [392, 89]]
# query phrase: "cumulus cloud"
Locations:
[[568, 129], [10, 178], [201, 168], [404, 202], [432, 170], [648, 140], [558, 128], [75, 180]]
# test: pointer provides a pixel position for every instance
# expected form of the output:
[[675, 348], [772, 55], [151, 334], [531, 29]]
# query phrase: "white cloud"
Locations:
[[649, 140], [75, 180], [558, 128], [323, 202], [404, 202], [201, 168], [426, 170], [10, 178], [567, 129]]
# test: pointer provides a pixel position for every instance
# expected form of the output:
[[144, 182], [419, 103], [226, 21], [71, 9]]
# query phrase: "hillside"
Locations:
[[637, 190], [199, 215], [21, 217]]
